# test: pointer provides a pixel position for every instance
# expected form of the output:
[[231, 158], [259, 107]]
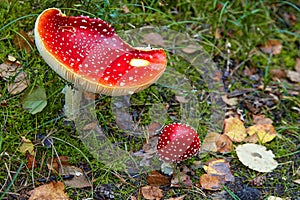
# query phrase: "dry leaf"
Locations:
[[278, 73], [211, 182], [54, 164], [256, 157], [190, 49], [219, 167], [264, 132], [234, 128], [23, 41], [218, 34], [52, 190], [154, 128], [12, 71], [209, 142], [79, 180], [271, 47], [297, 65], [177, 198], [261, 119], [229, 101], [181, 180], [90, 126], [26, 146], [31, 162], [157, 179], [152, 192], [125, 9], [154, 39], [224, 144], [293, 76]]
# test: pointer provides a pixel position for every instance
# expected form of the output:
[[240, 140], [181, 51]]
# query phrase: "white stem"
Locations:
[[72, 102]]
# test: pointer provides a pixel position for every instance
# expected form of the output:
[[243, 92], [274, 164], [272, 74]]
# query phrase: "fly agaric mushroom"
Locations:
[[177, 142], [88, 53]]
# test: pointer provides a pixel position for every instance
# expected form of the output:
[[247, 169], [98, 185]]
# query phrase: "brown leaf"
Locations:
[[124, 120], [261, 119], [190, 49], [293, 76], [52, 190], [297, 66], [182, 179], [12, 71], [271, 47], [212, 182], [224, 144], [209, 142], [154, 128], [157, 179], [234, 128], [154, 39], [23, 41], [54, 164], [278, 73], [90, 126], [177, 198], [79, 181], [152, 192], [229, 101], [31, 162]]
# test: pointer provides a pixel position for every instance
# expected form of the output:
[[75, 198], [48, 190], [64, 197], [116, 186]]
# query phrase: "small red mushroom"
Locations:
[[177, 142], [88, 53]]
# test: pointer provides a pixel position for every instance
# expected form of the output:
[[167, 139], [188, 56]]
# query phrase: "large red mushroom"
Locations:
[[177, 142], [88, 53]]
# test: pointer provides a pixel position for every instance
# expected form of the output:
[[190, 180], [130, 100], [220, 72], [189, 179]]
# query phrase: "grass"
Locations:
[[243, 24]]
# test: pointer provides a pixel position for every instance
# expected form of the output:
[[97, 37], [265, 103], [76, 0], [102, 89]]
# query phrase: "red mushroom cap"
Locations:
[[177, 142], [88, 53]]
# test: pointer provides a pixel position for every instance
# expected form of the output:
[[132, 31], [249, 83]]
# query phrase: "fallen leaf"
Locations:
[[293, 76], [256, 157], [157, 179], [90, 126], [124, 120], [31, 162], [181, 179], [297, 65], [12, 72], [209, 142], [271, 47], [224, 144], [190, 49], [35, 101], [219, 167], [278, 73], [22, 40], [230, 101], [154, 39], [264, 132], [261, 119], [54, 164], [26, 146], [154, 128], [234, 128], [78, 181], [251, 139], [152, 192], [177, 198], [211, 182], [52, 190], [218, 34]]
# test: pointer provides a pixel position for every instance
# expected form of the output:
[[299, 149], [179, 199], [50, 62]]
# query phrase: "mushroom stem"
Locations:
[[72, 102]]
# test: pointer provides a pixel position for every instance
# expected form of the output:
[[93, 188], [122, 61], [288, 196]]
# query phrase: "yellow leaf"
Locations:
[[264, 132], [26, 146], [234, 128]]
